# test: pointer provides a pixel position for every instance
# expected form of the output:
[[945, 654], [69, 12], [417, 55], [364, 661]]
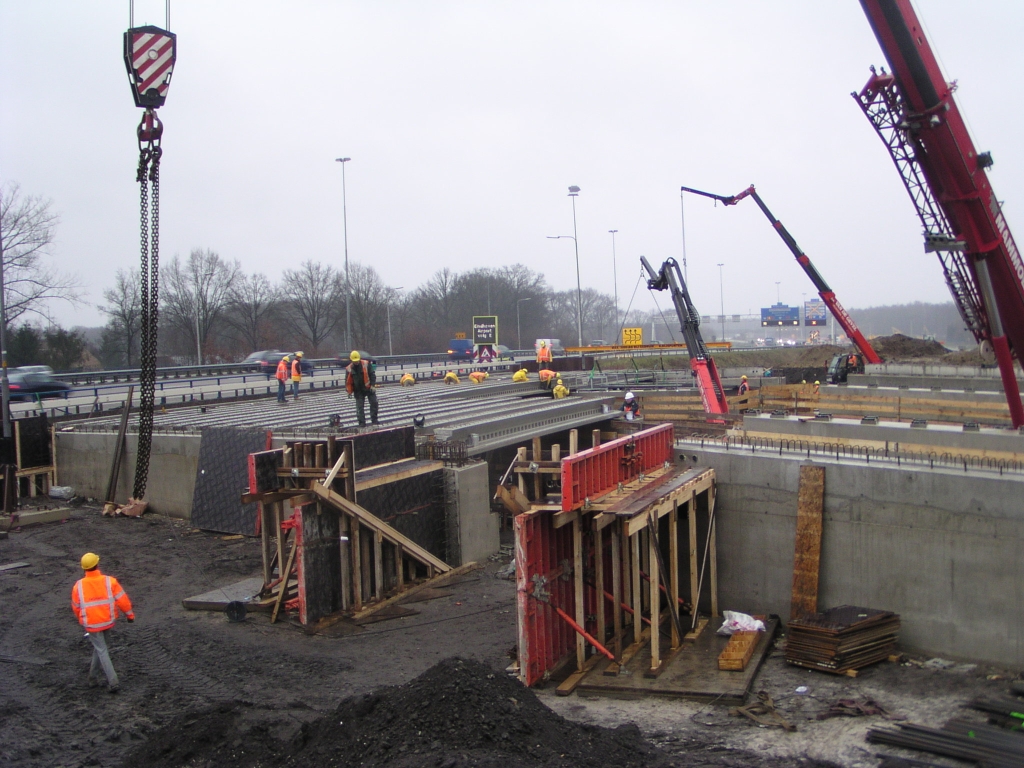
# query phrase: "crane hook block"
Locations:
[[149, 54]]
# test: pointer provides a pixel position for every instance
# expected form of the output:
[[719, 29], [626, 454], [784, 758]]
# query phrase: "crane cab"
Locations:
[[843, 365]]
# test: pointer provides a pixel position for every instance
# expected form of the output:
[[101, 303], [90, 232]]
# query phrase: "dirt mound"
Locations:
[[457, 714], [900, 347]]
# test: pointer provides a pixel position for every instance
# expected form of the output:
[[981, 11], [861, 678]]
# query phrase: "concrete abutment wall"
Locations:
[[939, 547]]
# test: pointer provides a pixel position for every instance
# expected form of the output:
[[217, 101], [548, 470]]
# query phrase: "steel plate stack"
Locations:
[[840, 639]]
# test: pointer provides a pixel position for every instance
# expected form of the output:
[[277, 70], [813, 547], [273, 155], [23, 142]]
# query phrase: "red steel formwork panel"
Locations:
[[544, 556], [590, 474]]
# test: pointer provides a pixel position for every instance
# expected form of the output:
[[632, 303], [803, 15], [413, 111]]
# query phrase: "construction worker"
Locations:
[[817, 387], [407, 380], [560, 390], [744, 385], [546, 376], [96, 600], [282, 377], [630, 407], [451, 378], [296, 375], [543, 353], [361, 381], [478, 377], [520, 376]]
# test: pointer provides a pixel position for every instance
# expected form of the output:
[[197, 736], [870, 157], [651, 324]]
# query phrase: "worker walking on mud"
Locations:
[[282, 378], [296, 375], [361, 381], [744, 385], [96, 600]]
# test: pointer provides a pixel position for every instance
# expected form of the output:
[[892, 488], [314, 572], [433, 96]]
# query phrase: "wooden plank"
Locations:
[[329, 480], [691, 516], [713, 547], [319, 459], [693, 634], [374, 477], [807, 557], [574, 442], [568, 685], [616, 591], [581, 608], [673, 566], [538, 482], [378, 565], [349, 491], [521, 479], [285, 578], [654, 600], [374, 523], [355, 543], [599, 579], [437, 581], [346, 561], [279, 543], [299, 495], [634, 541], [562, 519]]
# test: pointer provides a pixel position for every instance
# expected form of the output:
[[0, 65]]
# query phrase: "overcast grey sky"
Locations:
[[467, 121]]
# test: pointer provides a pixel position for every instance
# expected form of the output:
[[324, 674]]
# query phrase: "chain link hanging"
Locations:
[[148, 177]]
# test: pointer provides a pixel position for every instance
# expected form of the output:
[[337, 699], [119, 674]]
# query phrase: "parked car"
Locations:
[[598, 343], [265, 362], [460, 350], [504, 353], [33, 383]]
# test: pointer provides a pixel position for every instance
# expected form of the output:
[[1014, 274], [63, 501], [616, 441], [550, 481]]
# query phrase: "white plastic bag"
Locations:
[[739, 622]]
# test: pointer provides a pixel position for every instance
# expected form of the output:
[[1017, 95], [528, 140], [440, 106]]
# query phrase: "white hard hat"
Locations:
[[629, 395]]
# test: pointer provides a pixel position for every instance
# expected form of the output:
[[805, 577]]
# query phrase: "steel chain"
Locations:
[[149, 205]]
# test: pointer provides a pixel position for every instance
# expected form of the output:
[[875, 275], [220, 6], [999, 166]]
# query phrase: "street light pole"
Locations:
[[778, 294], [519, 328], [721, 296], [615, 278], [573, 193], [391, 345], [5, 391], [348, 282]]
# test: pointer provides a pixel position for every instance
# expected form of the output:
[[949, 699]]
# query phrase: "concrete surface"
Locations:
[[939, 547], [473, 528], [83, 462]]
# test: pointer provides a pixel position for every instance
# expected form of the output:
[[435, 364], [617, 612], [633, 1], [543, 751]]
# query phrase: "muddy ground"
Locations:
[[247, 693]]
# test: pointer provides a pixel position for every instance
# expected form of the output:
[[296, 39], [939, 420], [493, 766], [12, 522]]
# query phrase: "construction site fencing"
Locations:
[[867, 454]]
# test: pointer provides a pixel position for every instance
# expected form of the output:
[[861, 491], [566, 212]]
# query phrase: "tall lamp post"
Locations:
[[5, 392], [348, 282], [721, 296], [573, 192], [615, 279], [519, 328], [778, 292], [391, 345]]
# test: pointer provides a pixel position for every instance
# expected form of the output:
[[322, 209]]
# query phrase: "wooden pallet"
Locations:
[[739, 650]]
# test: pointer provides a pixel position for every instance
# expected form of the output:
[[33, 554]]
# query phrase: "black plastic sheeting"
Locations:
[[414, 507], [34, 434], [222, 477]]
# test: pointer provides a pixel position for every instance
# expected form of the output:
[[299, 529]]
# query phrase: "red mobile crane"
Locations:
[[826, 293], [914, 113], [703, 367]]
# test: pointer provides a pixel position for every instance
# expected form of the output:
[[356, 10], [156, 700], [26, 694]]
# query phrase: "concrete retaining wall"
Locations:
[[940, 548], [473, 528], [83, 462]]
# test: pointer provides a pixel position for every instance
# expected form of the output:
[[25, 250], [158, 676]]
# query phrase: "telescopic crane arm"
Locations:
[[670, 278], [827, 294]]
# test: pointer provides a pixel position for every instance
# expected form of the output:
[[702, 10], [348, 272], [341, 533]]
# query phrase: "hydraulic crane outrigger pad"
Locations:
[[149, 54]]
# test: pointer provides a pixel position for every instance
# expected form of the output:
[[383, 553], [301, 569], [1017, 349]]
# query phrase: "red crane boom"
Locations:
[[827, 294], [914, 113]]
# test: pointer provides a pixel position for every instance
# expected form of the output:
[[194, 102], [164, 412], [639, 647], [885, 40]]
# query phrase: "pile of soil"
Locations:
[[457, 714], [899, 347]]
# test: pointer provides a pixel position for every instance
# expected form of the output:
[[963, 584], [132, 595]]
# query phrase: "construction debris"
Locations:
[[842, 640]]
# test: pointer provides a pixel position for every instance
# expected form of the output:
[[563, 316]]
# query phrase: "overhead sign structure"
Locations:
[[815, 313], [485, 329], [780, 314], [632, 337]]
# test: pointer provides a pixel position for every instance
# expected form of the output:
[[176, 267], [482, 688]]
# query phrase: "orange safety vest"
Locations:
[[544, 354], [350, 385], [96, 598], [296, 369], [282, 370]]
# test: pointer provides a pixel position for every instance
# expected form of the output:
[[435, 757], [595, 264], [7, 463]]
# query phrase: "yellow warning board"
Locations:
[[632, 337]]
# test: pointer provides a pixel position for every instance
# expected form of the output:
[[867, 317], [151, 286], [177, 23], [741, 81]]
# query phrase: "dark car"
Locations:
[[31, 384], [504, 353], [265, 362], [460, 350]]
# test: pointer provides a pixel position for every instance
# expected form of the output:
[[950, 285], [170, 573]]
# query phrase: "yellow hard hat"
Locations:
[[286, 358], [817, 383], [90, 561], [354, 357], [559, 381], [298, 354], [743, 377]]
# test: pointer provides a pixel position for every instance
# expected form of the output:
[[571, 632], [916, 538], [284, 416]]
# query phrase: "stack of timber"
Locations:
[[892, 405], [842, 640]]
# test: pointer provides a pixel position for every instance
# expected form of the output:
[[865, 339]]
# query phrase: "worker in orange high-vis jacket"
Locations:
[[296, 375], [282, 378], [96, 600]]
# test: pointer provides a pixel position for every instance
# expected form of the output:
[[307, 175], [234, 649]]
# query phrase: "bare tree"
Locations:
[[27, 228], [370, 299], [251, 308], [311, 295], [196, 293], [124, 310]]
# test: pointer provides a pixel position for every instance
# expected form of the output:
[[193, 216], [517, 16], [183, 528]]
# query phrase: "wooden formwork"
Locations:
[[601, 569], [337, 555]]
